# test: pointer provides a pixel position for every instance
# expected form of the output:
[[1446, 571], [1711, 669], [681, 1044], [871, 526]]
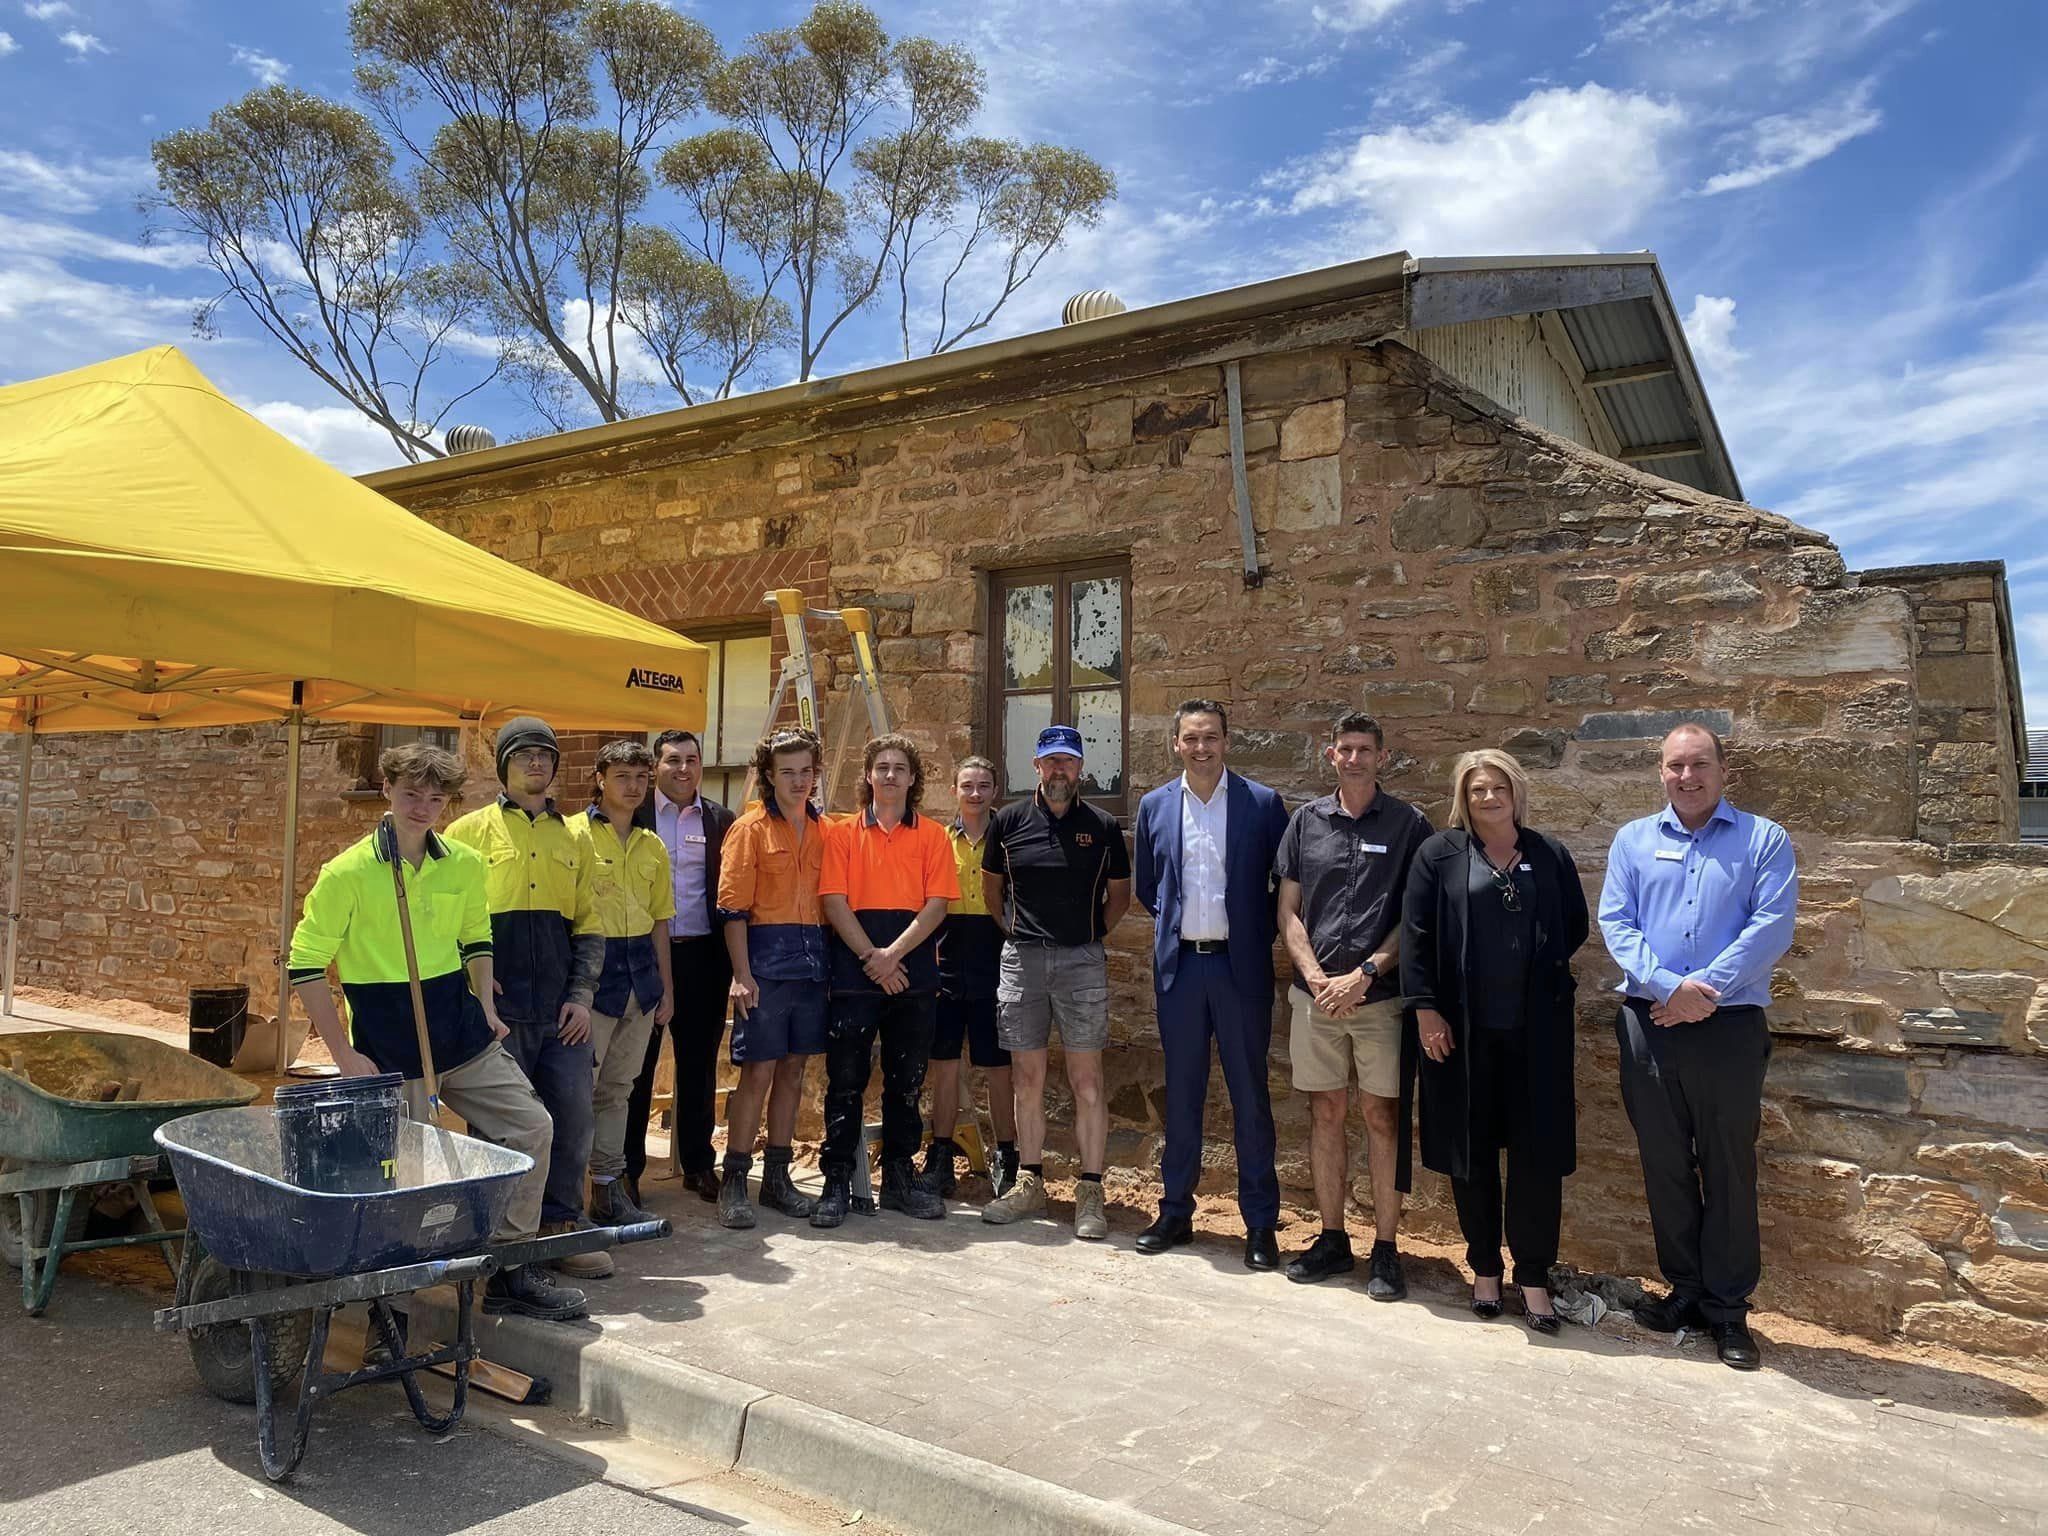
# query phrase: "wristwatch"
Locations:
[[1371, 970]]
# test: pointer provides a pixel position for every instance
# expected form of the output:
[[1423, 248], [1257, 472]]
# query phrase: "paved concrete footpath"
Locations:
[[894, 1353]]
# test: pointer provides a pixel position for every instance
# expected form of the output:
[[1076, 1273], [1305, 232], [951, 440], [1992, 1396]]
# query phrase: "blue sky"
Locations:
[[1850, 199]]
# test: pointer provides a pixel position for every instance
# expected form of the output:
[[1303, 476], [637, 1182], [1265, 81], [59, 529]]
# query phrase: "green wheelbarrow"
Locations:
[[79, 1110]]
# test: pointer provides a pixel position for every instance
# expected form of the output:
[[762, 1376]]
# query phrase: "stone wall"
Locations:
[[1971, 734], [1472, 581]]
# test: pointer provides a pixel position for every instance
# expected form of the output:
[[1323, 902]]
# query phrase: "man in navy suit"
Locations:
[[1205, 846]]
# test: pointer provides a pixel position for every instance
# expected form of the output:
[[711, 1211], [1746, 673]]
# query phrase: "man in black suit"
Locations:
[[693, 829]]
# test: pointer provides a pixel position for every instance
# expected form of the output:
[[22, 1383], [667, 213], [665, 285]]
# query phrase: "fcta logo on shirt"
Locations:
[[661, 682]]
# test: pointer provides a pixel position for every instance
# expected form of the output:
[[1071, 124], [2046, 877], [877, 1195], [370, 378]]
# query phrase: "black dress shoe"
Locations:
[[1485, 1308], [1167, 1232], [705, 1182], [1329, 1254], [1545, 1323], [1261, 1248], [1670, 1313], [1737, 1346]]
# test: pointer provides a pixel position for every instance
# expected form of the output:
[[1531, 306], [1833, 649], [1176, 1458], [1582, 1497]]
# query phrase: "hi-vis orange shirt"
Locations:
[[886, 876], [769, 880]]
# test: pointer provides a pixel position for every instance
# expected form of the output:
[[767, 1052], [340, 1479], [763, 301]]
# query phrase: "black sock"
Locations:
[[1091, 1178], [1006, 1146], [1338, 1232], [1037, 1168]]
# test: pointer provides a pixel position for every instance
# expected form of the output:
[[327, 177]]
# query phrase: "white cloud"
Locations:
[[78, 187], [8, 45], [46, 10], [84, 44], [1778, 145], [1273, 71], [51, 318], [1563, 170], [267, 69], [340, 434], [1710, 329], [58, 242], [1354, 15]]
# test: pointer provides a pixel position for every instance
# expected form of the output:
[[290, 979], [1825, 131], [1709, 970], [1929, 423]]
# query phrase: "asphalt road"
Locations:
[[105, 1429]]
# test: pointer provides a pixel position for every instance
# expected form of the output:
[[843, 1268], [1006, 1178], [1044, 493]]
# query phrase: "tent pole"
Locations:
[[28, 746], [294, 731]]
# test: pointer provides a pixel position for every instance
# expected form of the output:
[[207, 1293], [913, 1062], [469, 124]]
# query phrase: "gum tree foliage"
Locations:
[[589, 200]]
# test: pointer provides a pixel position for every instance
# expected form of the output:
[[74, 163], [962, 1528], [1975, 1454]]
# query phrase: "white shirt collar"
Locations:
[[696, 801], [1222, 788]]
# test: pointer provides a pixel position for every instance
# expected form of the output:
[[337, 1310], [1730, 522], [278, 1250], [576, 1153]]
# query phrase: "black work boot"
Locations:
[[902, 1191], [734, 1209], [777, 1192], [832, 1205], [613, 1205], [1002, 1171], [938, 1166], [527, 1290]]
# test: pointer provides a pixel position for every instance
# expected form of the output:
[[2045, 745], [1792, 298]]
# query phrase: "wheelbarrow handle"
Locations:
[[545, 1250]]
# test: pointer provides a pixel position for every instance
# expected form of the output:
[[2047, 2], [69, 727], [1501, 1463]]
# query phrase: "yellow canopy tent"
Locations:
[[168, 560]]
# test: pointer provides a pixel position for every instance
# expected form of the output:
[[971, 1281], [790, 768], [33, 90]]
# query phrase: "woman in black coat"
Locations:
[[1492, 916]]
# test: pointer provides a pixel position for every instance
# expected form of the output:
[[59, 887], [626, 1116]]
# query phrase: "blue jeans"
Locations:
[[564, 1076]]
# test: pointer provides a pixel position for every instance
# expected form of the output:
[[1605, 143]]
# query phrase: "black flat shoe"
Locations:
[[704, 1182], [1668, 1314], [1485, 1310], [1261, 1249], [1167, 1232], [1737, 1346]]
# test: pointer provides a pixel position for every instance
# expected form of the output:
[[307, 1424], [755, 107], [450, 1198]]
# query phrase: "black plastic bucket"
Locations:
[[216, 1018], [340, 1136]]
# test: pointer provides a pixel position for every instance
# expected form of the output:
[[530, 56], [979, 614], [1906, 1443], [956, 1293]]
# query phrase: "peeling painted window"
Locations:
[[1061, 661]]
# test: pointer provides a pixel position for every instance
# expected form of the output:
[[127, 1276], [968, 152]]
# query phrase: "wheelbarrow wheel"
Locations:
[[222, 1355]]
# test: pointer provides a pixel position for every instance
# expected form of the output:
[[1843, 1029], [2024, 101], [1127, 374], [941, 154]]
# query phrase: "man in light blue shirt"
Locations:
[[1697, 908]]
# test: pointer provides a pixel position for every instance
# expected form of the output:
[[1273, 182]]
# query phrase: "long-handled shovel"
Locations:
[[412, 977]]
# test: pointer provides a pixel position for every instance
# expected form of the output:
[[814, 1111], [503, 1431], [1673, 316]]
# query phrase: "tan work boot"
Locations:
[[1026, 1198], [1089, 1221], [581, 1266]]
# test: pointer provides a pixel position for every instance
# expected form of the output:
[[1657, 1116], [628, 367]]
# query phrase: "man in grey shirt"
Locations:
[[1343, 866]]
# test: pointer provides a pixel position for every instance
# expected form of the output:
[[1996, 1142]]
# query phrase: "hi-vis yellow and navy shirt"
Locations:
[[544, 931], [970, 943], [351, 922], [634, 891]]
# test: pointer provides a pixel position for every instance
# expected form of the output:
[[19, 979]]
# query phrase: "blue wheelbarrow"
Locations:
[[271, 1262]]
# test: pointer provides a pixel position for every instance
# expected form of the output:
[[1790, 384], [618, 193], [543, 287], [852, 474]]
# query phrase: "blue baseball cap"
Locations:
[[1057, 739]]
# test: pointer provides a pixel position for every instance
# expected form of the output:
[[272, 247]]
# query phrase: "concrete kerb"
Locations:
[[795, 1445]]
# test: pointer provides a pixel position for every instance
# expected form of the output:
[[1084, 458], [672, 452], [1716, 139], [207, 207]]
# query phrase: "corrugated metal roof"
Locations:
[[1616, 313], [2036, 771]]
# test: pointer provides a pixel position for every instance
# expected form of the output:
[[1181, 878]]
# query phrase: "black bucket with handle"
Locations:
[[339, 1136]]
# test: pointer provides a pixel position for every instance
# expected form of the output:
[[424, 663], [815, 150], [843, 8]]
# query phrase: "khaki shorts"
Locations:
[[1324, 1049]]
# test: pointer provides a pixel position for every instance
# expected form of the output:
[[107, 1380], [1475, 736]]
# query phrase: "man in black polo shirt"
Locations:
[[1059, 871], [1343, 866]]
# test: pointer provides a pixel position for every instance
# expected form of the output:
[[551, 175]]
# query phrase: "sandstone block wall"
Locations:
[[1472, 581], [1971, 736]]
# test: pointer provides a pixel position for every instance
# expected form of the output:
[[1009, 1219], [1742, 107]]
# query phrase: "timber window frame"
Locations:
[[726, 760], [1060, 687]]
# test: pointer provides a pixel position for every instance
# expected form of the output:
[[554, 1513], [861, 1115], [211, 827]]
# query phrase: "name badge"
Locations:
[[1671, 855], [1525, 869], [1372, 847], [693, 837]]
